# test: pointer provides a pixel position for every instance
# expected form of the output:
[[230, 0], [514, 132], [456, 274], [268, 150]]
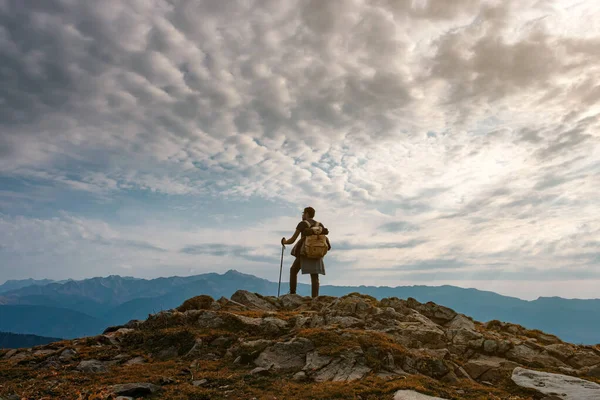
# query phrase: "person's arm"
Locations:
[[292, 239]]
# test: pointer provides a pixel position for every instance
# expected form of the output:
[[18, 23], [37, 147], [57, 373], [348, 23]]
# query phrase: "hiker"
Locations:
[[311, 263]]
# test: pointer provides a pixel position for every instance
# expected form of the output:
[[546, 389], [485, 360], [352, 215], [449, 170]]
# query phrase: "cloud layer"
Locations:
[[452, 139]]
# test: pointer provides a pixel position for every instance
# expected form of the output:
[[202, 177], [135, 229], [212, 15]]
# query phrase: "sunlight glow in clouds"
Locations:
[[439, 141]]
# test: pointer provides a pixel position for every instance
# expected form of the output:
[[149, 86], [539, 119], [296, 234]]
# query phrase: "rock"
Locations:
[[418, 335], [524, 354], [594, 371], [136, 361], [92, 366], [490, 346], [315, 361], [10, 354], [489, 368], [260, 371], [124, 398], [230, 305], [300, 376], [207, 319], [134, 389], [412, 395], [67, 355], [569, 388], [436, 313], [349, 367], [271, 325], [202, 302], [461, 321], [292, 301], [584, 358], [252, 300], [346, 322], [200, 382], [285, 355], [561, 351]]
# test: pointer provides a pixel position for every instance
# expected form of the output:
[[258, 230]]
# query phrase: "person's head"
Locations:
[[309, 212]]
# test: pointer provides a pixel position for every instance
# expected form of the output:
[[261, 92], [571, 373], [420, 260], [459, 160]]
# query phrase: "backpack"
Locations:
[[315, 244]]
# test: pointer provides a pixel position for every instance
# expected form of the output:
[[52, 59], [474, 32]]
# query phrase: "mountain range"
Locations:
[[72, 308]]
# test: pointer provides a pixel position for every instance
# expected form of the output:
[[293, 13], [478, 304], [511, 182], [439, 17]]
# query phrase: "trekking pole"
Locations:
[[280, 269]]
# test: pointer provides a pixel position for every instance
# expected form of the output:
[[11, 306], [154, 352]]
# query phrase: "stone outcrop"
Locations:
[[325, 339], [563, 386]]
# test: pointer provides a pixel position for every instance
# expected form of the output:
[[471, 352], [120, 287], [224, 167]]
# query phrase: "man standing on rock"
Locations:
[[308, 265]]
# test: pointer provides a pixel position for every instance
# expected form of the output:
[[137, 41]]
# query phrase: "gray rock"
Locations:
[[347, 368], [200, 382], [136, 361], [252, 300], [412, 395], [584, 358], [260, 371], [570, 388], [67, 355], [10, 354], [487, 368], [524, 354], [345, 321], [594, 371], [300, 376], [461, 322], [92, 366], [490, 346], [124, 398], [134, 389], [285, 355], [292, 301], [315, 361]]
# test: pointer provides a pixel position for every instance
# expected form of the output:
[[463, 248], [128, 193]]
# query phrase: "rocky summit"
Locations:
[[292, 347]]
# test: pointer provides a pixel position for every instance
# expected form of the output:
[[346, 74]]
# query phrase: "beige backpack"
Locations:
[[315, 245]]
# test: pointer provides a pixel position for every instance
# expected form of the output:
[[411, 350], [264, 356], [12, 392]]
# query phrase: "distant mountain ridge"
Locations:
[[13, 284], [10, 340], [112, 300]]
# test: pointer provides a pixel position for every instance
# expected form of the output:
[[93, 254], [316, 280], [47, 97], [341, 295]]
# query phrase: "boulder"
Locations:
[[490, 369], [315, 361], [584, 358], [67, 355], [436, 313], [92, 366], [285, 355], [136, 361], [524, 354], [292, 301], [461, 321], [253, 301], [134, 389], [569, 388], [349, 367]]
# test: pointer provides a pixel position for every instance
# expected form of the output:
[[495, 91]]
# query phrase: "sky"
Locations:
[[439, 142]]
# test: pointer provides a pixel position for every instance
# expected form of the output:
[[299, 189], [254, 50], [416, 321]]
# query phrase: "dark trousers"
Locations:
[[314, 279]]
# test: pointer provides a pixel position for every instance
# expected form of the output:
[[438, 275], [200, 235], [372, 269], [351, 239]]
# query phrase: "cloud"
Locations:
[[471, 126]]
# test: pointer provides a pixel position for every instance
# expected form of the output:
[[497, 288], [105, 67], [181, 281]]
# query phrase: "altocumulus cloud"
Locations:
[[460, 134]]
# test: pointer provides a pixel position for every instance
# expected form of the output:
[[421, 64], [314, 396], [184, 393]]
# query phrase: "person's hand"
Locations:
[[283, 241]]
